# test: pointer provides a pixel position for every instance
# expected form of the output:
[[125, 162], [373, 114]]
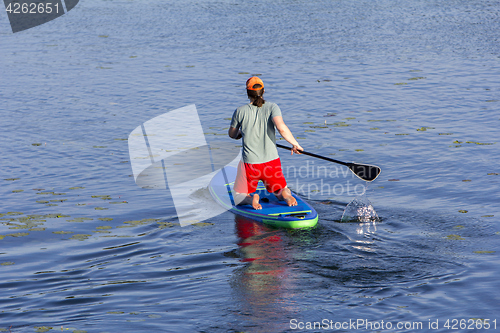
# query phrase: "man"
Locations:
[[256, 124]]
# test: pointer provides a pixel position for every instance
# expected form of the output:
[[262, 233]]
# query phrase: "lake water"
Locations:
[[410, 86]]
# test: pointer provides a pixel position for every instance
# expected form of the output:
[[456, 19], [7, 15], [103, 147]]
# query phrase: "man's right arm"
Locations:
[[286, 134]]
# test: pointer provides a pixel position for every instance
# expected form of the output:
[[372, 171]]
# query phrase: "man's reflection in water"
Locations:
[[263, 286]]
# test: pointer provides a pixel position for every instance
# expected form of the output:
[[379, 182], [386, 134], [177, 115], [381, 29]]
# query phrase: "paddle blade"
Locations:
[[365, 171]]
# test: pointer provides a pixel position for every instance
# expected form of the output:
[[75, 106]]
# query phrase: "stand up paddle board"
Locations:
[[274, 212]]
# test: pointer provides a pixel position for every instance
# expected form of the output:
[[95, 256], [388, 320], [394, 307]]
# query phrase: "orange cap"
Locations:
[[253, 81]]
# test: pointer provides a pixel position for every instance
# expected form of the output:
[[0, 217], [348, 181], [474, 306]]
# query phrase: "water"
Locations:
[[410, 86]]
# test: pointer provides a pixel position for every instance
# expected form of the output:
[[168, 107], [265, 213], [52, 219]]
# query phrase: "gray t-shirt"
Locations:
[[258, 130]]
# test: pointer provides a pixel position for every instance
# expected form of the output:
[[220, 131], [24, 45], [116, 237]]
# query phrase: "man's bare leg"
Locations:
[[247, 199], [286, 195]]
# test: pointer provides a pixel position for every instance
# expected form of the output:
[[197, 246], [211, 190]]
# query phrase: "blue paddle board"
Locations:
[[274, 212]]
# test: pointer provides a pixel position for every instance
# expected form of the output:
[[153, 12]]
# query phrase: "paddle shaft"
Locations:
[[317, 156]]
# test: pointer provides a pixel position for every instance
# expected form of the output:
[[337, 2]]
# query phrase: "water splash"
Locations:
[[359, 209]]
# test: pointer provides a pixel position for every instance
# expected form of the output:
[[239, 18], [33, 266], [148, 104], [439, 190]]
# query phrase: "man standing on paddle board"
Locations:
[[256, 123]]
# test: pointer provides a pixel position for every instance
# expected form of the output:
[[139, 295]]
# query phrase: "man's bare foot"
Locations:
[[255, 202], [286, 195]]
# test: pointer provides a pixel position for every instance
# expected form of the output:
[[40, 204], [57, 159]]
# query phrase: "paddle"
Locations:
[[362, 171]]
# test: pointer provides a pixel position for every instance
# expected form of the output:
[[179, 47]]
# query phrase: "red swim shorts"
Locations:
[[249, 175]]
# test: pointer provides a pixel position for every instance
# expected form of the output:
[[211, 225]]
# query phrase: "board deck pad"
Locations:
[[274, 212]]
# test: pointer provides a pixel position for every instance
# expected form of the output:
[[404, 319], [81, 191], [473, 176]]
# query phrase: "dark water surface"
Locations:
[[411, 86]]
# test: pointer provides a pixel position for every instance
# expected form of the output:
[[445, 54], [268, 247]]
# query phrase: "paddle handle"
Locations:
[[317, 156]]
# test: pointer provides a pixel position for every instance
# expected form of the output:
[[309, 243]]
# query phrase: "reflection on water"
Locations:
[[365, 240], [366, 228], [263, 285]]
